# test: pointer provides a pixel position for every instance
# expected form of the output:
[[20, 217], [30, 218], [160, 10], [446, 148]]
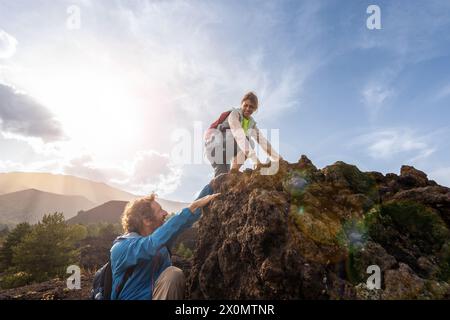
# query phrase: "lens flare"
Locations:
[[296, 183]]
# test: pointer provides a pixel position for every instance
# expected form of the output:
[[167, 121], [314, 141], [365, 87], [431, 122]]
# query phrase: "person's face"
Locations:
[[248, 108], [159, 214]]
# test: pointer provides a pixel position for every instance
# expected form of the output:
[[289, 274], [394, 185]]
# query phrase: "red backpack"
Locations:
[[214, 125], [221, 119]]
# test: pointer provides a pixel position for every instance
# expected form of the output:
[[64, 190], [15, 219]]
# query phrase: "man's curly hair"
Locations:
[[135, 212]]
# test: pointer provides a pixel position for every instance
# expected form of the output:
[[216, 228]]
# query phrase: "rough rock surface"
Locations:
[[55, 289], [305, 233]]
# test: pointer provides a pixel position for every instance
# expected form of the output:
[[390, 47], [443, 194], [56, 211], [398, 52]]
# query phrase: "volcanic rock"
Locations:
[[308, 233]]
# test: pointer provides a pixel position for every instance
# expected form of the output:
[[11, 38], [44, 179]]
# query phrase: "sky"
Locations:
[[109, 89]]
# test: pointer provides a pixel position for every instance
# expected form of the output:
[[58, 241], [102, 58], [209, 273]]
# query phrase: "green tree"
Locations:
[[80, 230], [108, 230], [48, 249], [183, 251], [4, 230], [13, 239], [92, 230]]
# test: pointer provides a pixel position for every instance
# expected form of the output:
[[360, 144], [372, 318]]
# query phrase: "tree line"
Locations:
[[36, 253]]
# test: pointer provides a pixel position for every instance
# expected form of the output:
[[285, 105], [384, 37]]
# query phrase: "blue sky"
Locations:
[[102, 101]]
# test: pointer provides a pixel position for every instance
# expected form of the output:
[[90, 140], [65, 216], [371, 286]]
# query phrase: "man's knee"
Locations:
[[170, 285], [176, 274]]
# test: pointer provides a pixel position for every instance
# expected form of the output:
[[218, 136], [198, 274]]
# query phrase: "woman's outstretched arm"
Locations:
[[241, 139], [265, 144]]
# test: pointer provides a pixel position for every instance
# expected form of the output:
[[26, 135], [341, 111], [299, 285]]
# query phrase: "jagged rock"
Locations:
[[410, 177], [403, 283], [306, 233], [436, 197], [343, 175], [363, 293], [371, 254]]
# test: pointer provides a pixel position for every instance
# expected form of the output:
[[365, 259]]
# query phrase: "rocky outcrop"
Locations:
[[306, 233]]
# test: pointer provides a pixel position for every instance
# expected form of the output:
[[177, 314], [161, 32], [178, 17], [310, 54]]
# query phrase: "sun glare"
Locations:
[[94, 109]]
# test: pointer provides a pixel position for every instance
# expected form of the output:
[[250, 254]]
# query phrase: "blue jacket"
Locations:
[[149, 254]]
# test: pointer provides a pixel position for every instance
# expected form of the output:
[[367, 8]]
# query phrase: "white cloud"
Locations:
[[164, 65], [21, 115], [53, 166], [40, 147], [379, 90], [206, 56], [152, 171], [387, 144], [8, 45], [441, 176], [86, 167], [374, 98], [10, 166], [148, 171]]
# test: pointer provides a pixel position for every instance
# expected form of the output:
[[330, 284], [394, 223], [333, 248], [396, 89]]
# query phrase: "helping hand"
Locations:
[[200, 203], [256, 164]]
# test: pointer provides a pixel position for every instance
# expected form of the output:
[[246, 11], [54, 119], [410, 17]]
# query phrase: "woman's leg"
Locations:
[[206, 191], [228, 156], [219, 164], [220, 169], [237, 161]]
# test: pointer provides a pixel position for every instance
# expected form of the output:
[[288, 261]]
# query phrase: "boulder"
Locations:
[[308, 233]]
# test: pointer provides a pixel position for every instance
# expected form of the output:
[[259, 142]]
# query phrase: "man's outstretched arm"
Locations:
[[146, 247]]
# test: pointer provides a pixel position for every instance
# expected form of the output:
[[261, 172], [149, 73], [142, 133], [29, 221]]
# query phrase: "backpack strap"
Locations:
[[216, 125], [157, 260], [107, 281], [223, 116], [125, 278]]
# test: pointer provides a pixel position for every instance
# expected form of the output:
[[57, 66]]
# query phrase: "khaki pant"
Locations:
[[170, 285]]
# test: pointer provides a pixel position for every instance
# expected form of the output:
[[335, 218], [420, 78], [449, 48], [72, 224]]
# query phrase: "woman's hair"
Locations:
[[252, 97], [135, 212]]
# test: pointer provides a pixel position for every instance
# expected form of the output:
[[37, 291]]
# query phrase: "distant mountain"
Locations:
[[31, 205], [108, 212], [95, 192], [111, 212]]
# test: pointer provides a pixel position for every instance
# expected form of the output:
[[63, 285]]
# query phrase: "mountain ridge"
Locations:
[[111, 211], [31, 205], [97, 192]]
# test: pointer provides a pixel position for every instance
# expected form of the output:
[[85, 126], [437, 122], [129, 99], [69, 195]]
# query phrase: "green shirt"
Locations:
[[245, 124]]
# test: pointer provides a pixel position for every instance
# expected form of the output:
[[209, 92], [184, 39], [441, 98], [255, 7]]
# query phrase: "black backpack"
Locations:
[[102, 284]]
